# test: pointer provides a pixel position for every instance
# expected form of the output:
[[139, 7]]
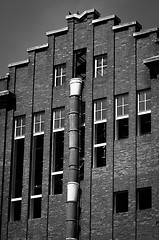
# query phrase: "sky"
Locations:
[[24, 23]]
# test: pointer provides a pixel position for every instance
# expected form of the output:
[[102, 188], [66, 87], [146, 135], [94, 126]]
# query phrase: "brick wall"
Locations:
[[130, 163]]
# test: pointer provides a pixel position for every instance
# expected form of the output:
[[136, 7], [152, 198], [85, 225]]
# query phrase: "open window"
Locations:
[[144, 112], [144, 198], [100, 123], [59, 75], [121, 202], [100, 65], [58, 152], [37, 165], [121, 117], [80, 63], [17, 169]]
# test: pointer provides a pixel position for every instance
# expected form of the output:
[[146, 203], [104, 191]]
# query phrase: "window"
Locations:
[[100, 121], [37, 165], [19, 127], [121, 202], [122, 117], [100, 65], [82, 140], [17, 168], [144, 198], [80, 63], [144, 112], [60, 75], [39, 123], [58, 151]]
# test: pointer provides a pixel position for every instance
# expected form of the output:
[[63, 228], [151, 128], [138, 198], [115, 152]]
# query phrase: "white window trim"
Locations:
[[61, 74], [145, 101], [104, 144], [100, 67], [38, 133], [100, 145], [101, 110], [60, 118], [144, 112], [56, 173], [36, 196], [16, 199], [21, 126], [52, 171], [122, 106], [19, 137], [58, 130], [40, 122], [100, 121]]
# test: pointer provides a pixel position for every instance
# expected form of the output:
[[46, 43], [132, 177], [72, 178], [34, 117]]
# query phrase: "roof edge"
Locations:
[[151, 30], [61, 30], [18, 63], [5, 76], [129, 24], [39, 47], [95, 21], [79, 16]]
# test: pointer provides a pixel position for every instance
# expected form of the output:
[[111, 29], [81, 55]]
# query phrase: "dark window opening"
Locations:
[[17, 179], [100, 145], [100, 133], [16, 210], [81, 169], [144, 198], [100, 156], [80, 64], [58, 150], [122, 128], [82, 141], [57, 184], [18, 168], [37, 165], [144, 124], [36, 207], [121, 202]]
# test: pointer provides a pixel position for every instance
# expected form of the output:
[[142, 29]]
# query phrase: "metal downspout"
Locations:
[[73, 181]]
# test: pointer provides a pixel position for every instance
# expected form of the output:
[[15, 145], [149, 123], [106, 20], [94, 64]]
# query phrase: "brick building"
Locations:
[[117, 128]]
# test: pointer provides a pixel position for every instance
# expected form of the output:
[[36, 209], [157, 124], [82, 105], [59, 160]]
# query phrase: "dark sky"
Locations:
[[24, 23]]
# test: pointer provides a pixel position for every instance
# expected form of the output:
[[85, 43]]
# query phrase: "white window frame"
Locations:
[[41, 114], [22, 135], [40, 132], [145, 111], [21, 126], [31, 205], [123, 114], [13, 200], [123, 105], [59, 129], [102, 120], [103, 66], [62, 68]]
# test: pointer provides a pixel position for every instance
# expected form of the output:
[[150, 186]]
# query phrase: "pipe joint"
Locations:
[[75, 86], [72, 191]]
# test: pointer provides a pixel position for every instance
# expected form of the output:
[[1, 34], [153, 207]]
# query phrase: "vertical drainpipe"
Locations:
[[73, 181]]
